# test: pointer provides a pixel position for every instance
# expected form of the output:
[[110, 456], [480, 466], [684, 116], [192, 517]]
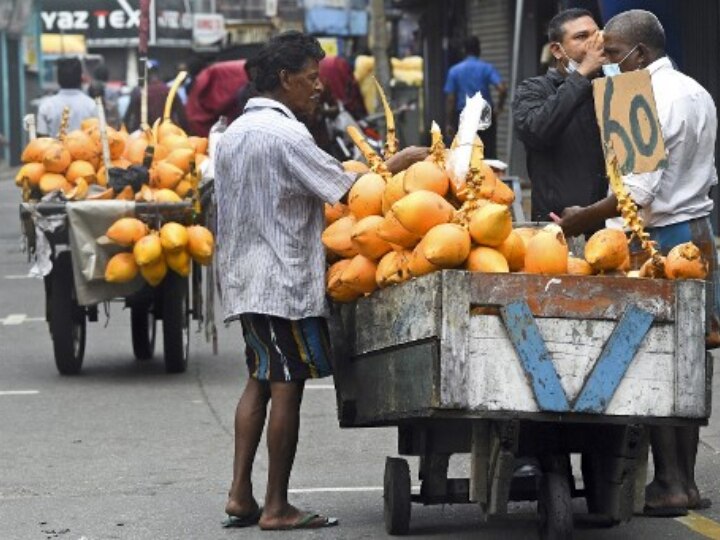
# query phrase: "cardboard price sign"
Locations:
[[628, 120]]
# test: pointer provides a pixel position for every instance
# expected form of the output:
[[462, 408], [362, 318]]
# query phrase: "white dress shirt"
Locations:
[[688, 120]]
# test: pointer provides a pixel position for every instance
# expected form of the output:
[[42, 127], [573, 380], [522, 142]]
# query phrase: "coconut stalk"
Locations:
[[437, 147], [375, 162], [103, 135], [179, 78], [391, 142], [64, 121]]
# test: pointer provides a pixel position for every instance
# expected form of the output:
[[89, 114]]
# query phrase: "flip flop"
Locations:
[[703, 504], [307, 521], [664, 511], [238, 522]]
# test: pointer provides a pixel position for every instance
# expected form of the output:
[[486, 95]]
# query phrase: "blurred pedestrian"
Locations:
[[69, 78], [337, 76], [157, 95], [466, 79], [99, 88]]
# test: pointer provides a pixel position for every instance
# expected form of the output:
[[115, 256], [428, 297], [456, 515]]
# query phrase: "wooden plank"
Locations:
[[397, 315], [479, 464], [534, 357], [454, 337], [614, 360], [690, 370], [575, 297]]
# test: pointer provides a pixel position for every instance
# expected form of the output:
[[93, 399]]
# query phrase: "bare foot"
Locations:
[[291, 517], [695, 501], [663, 495], [239, 509]]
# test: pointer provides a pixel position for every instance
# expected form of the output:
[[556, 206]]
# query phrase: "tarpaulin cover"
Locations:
[[215, 93]]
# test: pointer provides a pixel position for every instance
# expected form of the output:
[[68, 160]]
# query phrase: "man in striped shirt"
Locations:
[[271, 183]]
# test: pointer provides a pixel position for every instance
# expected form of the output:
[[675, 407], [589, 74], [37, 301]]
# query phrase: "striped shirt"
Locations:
[[51, 108], [271, 180]]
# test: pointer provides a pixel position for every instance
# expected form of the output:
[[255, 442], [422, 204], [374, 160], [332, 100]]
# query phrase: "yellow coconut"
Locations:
[[338, 237], [493, 188], [355, 166], [685, 261], [393, 232], [121, 163], [359, 275], [81, 146], [167, 196], [167, 130], [446, 245], [184, 188], [513, 249], [607, 250], [365, 238], [169, 175], [334, 212], [426, 175], [116, 142], [178, 261], [392, 268], [488, 260], [547, 252], [526, 233], [200, 144], [53, 182], [121, 268], [79, 190], [126, 231], [336, 289], [35, 150], [148, 249], [181, 158], [394, 191], [365, 198], [579, 267], [491, 224], [418, 265], [173, 236], [135, 150], [30, 172], [420, 211], [201, 244], [154, 272], [173, 142], [80, 169], [89, 123], [56, 159]]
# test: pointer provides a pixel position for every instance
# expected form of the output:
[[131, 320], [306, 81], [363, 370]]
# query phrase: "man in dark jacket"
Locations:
[[554, 117]]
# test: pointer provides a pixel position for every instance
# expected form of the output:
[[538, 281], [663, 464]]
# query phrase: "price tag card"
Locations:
[[627, 116]]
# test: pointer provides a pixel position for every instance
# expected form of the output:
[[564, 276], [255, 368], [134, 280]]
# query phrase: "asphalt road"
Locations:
[[125, 451]]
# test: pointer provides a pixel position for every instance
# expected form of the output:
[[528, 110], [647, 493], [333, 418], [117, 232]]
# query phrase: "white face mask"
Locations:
[[572, 65], [610, 70]]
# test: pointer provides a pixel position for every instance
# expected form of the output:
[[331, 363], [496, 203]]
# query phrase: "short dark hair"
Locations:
[[472, 46], [101, 73], [69, 72], [287, 51], [639, 26], [555, 27]]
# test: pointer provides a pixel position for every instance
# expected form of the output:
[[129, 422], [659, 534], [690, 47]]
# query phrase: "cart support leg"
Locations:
[[479, 460], [434, 475], [641, 470]]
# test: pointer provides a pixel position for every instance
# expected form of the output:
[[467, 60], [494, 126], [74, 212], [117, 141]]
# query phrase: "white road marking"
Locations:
[[359, 489], [319, 387], [19, 276], [19, 318], [19, 392]]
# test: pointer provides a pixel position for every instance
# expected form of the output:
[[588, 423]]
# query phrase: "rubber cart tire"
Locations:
[[176, 323], [555, 507], [67, 319], [396, 495], [142, 325]]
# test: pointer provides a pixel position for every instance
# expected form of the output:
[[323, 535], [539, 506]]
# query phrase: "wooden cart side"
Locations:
[[690, 372]]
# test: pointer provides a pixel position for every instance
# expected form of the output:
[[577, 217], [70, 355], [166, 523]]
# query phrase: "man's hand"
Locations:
[[574, 220], [406, 157], [594, 56]]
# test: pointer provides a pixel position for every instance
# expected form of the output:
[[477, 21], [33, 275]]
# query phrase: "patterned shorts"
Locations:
[[281, 350]]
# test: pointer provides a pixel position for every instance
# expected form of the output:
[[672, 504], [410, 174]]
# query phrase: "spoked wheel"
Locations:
[[67, 318], [555, 507], [176, 323], [142, 324], [396, 495]]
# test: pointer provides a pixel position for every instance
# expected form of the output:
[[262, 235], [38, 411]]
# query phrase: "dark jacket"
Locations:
[[555, 118]]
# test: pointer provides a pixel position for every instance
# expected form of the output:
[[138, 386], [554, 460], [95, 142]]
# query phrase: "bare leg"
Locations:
[[687, 443], [249, 424], [667, 489]]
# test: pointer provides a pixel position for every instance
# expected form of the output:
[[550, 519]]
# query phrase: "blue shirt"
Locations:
[[467, 77]]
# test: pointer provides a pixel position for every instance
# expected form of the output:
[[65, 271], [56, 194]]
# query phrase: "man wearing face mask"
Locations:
[[675, 206], [555, 119]]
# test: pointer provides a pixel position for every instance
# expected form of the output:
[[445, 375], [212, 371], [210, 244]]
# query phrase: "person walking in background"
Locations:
[[69, 77], [157, 95], [466, 79], [110, 96]]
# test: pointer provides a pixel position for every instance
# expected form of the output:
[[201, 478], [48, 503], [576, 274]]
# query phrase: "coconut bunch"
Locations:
[[152, 253]]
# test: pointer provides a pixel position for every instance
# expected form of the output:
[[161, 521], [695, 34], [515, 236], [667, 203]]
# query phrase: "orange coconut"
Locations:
[[173, 142], [116, 142], [486, 259], [607, 250], [359, 275], [338, 237], [181, 158], [121, 268], [126, 231], [685, 261], [579, 267], [80, 169], [56, 159], [446, 245], [168, 175], [154, 272], [513, 249], [392, 231], [53, 182], [90, 123], [81, 146], [173, 236], [148, 249], [420, 211], [365, 198], [355, 166], [526, 233], [334, 212], [178, 261], [417, 263], [201, 244], [491, 224], [337, 290], [426, 175], [365, 238], [392, 268], [547, 252], [200, 144], [32, 172], [35, 150], [394, 191], [167, 196]]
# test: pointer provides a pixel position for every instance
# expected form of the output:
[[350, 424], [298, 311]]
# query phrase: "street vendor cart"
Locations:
[[519, 371], [62, 235]]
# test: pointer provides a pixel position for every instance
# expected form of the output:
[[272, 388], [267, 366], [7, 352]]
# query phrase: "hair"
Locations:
[[472, 46], [69, 72], [556, 32], [288, 51], [101, 73], [638, 26]]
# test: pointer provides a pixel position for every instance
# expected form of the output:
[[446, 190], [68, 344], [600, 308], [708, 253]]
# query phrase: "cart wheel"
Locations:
[[142, 324], [67, 319], [176, 323], [555, 507], [396, 495]]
